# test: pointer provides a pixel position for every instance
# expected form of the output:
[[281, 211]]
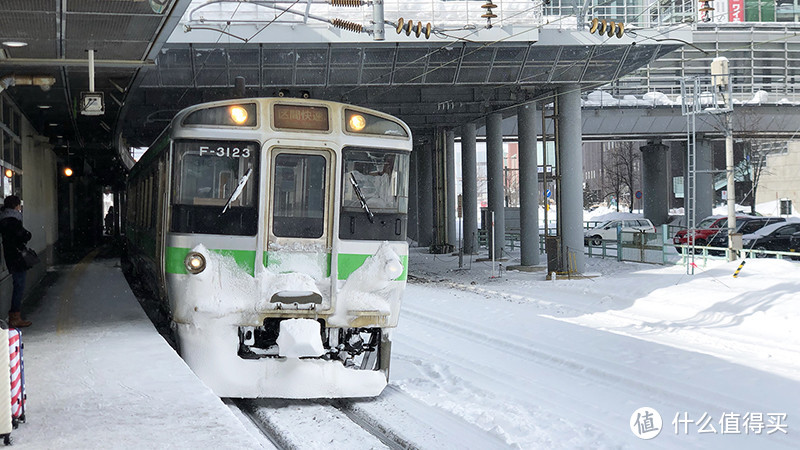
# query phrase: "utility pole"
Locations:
[[720, 79], [732, 238]]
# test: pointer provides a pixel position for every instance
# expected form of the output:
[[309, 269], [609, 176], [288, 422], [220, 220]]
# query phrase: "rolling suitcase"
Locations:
[[17, 375], [6, 423]]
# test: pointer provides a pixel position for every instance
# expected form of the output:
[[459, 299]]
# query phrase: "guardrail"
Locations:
[[704, 253], [651, 248]]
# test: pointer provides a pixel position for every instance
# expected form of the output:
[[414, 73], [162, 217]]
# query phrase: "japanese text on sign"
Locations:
[[301, 117]]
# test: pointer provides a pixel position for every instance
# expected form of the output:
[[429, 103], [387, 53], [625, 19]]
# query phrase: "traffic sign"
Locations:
[[547, 193], [638, 194]]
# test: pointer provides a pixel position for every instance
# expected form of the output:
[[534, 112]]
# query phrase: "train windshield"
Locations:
[[374, 194], [381, 177], [210, 192]]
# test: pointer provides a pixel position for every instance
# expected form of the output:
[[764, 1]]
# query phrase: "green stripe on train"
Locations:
[[176, 255], [348, 263]]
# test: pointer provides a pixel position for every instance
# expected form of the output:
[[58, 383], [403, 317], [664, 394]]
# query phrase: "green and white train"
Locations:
[[275, 231]]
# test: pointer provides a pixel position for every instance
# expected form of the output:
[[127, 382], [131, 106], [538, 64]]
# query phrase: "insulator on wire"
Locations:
[[488, 15], [347, 25], [609, 28], [346, 3], [417, 28]]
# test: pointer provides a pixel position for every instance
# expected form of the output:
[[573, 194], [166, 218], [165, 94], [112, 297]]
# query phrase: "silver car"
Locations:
[[608, 230]]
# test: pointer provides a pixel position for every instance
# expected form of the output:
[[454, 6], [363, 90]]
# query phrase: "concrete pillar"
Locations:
[[450, 179], [494, 175], [469, 188], [655, 193], [570, 189], [704, 192], [425, 191], [528, 185]]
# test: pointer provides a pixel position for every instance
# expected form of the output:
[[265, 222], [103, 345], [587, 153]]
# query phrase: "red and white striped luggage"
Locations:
[[17, 368], [5, 389]]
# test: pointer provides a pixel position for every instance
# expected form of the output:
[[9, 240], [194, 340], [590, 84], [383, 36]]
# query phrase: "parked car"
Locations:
[[744, 225], [774, 237], [712, 227], [794, 245], [608, 230]]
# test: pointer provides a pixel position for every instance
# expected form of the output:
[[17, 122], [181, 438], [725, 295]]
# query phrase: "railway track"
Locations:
[[394, 420], [294, 424]]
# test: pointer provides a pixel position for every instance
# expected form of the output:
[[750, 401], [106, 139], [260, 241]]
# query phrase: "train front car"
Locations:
[[286, 252]]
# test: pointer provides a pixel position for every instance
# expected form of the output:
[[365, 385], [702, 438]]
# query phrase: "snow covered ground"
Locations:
[[509, 362], [530, 363]]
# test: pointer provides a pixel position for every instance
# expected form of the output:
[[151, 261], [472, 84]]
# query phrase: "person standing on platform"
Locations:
[[15, 237]]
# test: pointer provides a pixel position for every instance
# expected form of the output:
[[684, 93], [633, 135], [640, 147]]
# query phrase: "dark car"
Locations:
[[744, 225], [708, 229], [774, 237], [794, 245]]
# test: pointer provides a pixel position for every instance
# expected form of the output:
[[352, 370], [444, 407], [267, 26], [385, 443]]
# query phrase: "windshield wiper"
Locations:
[[238, 191], [361, 197]]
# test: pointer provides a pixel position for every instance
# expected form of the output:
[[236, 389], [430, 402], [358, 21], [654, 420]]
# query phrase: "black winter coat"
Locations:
[[15, 236]]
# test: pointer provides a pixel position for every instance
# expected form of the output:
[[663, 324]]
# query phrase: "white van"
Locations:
[[608, 230]]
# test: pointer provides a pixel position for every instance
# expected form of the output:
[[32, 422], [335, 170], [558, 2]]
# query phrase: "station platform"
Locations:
[[98, 374]]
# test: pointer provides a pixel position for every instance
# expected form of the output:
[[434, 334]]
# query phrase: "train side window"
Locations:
[[298, 204]]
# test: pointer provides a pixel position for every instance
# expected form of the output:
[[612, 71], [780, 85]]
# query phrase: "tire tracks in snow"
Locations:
[[581, 365], [735, 344]]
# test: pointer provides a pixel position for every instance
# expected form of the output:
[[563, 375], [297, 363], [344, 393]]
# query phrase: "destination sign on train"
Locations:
[[296, 117]]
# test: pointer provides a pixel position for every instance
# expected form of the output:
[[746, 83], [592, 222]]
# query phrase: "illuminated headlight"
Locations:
[[238, 114], [393, 269], [357, 122], [195, 262]]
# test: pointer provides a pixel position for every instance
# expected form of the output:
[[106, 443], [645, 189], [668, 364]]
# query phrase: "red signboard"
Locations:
[[296, 117], [735, 10]]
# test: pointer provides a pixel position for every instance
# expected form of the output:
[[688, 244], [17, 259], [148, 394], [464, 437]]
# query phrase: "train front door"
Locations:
[[299, 215]]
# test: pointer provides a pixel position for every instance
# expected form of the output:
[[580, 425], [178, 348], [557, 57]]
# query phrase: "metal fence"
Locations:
[[633, 13]]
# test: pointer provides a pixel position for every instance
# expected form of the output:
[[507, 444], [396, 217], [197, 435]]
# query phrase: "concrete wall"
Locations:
[[39, 200], [780, 178]]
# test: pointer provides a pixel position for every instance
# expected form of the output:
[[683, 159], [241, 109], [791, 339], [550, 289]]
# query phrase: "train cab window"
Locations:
[[374, 195], [215, 188], [298, 204]]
